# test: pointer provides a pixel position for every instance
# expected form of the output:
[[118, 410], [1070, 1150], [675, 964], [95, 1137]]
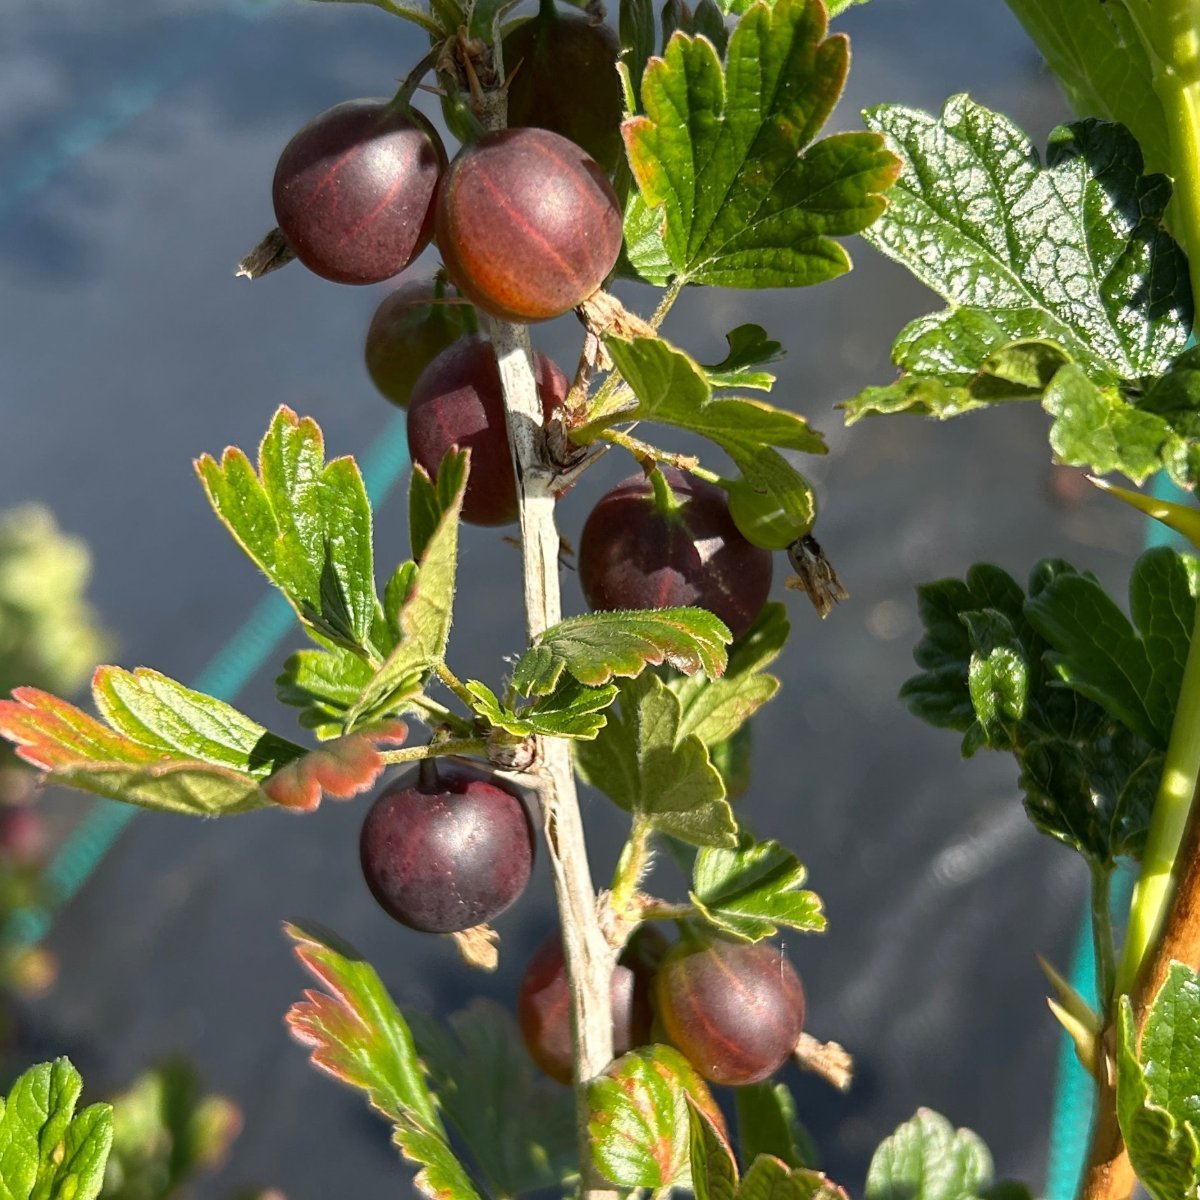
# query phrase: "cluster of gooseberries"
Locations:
[[528, 227]]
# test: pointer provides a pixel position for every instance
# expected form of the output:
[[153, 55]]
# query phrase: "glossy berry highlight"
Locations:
[[354, 190], [544, 1002], [639, 550], [527, 223], [735, 1009], [446, 847], [458, 401]]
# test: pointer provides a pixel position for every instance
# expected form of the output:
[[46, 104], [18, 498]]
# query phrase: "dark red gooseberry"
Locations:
[[735, 1009], [634, 553], [528, 224], [543, 1002], [410, 328], [446, 848], [458, 401], [354, 190], [566, 81]]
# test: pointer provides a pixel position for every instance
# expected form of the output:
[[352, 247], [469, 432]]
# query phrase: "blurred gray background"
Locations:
[[135, 163]]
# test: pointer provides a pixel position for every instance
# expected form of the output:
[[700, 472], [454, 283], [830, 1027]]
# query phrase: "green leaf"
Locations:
[[724, 156], [1083, 316], [305, 523], [993, 663], [512, 1120], [749, 347], [426, 596], [47, 1150], [767, 1124], [638, 1118], [1134, 670], [731, 757], [570, 710], [325, 684], [752, 889], [357, 1035], [636, 25], [927, 1159], [770, 1179], [714, 1171], [165, 1132], [671, 388], [430, 500], [642, 762], [1157, 1103], [410, 11], [715, 709], [597, 647], [1102, 65]]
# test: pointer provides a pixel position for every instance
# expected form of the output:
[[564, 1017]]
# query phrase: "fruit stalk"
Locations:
[[589, 959]]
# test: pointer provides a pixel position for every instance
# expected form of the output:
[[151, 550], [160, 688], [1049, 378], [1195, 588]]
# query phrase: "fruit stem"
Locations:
[[588, 958], [665, 501], [461, 746], [403, 98]]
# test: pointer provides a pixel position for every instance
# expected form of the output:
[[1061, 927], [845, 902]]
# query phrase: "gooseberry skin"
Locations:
[[564, 78], [410, 328], [446, 848], [735, 1009], [354, 190], [528, 224], [458, 401], [633, 555], [543, 1002]]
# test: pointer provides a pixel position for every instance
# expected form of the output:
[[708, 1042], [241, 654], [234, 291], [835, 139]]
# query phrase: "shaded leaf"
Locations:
[[596, 647], [47, 1150], [640, 760], [767, 1124], [749, 347], [638, 1118], [304, 522], [357, 1035], [723, 153], [752, 889], [570, 710], [713, 1169], [928, 1159], [512, 1120]]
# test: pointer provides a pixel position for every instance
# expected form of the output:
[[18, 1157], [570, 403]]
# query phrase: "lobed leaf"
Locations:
[[357, 1035], [723, 157], [638, 1118], [598, 647], [640, 760], [47, 1150], [512, 1120], [304, 522], [927, 1159], [750, 890], [749, 347], [1157, 1104], [570, 710]]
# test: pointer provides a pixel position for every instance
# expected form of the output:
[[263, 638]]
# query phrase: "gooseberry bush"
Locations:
[[680, 148]]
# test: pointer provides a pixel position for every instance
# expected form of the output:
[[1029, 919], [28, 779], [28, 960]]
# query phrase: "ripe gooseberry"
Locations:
[[354, 190], [735, 1009], [410, 328], [458, 401], [675, 544], [527, 223], [446, 847], [563, 77], [544, 1000]]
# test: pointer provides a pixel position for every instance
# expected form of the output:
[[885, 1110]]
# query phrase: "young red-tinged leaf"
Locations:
[[713, 1167], [666, 780], [639, 1123], [596, 647], [306, 523], [357, 1035], [203, 774], [723, 156], [342, 768]]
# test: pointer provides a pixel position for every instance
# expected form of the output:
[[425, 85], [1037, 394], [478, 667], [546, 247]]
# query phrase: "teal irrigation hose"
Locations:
[[1071, 1127], [227, 673]]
